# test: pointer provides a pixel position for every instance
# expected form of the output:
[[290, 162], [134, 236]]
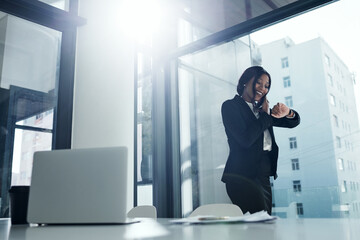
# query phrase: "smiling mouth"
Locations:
[[259, 93]]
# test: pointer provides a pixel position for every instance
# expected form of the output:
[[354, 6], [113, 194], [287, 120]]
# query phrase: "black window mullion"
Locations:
[[64, 110]]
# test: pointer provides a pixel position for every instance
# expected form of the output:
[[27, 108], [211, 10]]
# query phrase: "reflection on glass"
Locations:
[[25, 144], [206, 79]]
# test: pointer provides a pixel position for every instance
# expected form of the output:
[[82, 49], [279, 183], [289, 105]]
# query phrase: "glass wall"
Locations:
[[29, 73], [319, 163]]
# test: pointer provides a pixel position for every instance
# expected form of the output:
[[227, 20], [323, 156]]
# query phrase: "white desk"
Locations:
[[282, 229]]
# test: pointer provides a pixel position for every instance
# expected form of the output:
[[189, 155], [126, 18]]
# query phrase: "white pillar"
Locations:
[[104, 83]]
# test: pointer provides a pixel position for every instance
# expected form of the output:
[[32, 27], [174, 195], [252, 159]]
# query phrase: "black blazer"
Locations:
[[245, 135]]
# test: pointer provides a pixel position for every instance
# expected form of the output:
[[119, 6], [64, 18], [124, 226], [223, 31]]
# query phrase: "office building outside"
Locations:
[[319, 161]]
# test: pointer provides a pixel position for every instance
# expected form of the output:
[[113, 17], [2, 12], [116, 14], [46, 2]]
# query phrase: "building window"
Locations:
[[299, 209], [295, 164], [289, 101], [336, 121], [297, 186], [341, 164], [344, 187], [327, 60], [338, 142], [293, 142], [332, 100], [287, 82], [330, 79], [284, 62]]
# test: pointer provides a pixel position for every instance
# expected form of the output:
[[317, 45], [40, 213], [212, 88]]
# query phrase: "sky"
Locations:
[[337, 23]]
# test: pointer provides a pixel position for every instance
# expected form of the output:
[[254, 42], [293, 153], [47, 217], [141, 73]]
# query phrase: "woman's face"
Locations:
[[261, 88]]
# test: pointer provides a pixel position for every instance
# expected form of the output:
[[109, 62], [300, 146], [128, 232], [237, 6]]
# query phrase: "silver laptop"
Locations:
[[79, 186]]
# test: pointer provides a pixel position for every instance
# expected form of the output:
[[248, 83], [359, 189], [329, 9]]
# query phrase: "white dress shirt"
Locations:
[[267, 137]]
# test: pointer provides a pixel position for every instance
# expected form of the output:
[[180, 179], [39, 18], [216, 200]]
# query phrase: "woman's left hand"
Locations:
[[280, 110]]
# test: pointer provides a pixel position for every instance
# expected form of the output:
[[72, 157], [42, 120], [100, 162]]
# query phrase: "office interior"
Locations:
[[87, 73]]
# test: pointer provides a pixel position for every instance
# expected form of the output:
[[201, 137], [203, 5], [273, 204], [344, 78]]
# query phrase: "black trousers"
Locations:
[[252, 194]]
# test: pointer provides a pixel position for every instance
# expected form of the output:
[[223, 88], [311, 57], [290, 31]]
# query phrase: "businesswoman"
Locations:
[[248, 123]]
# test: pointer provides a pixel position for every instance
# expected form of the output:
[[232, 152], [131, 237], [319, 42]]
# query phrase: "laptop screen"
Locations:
[[79, 186]]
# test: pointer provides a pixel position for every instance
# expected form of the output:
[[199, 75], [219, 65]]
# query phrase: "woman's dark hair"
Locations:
[[252, 72]]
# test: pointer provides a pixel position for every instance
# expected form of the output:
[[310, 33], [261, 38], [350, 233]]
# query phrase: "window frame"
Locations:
[[332, 100], [289, 101], [287, 81], [299, 209], [295, 164], [327, 60], [341, 164], [293, 142], [284, 62], [297, 186]]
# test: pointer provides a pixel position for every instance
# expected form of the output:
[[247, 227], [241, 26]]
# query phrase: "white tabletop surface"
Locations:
[[285, 229]]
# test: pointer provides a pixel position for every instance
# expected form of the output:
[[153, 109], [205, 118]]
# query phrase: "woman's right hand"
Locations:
[[265, 106]]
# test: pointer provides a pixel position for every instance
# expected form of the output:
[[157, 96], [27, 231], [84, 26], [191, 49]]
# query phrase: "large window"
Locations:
[[36, 85], [205, 70], [207, 78], [29, 79]]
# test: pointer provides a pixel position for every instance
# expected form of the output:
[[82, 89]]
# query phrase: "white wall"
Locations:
[[104, 83]]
